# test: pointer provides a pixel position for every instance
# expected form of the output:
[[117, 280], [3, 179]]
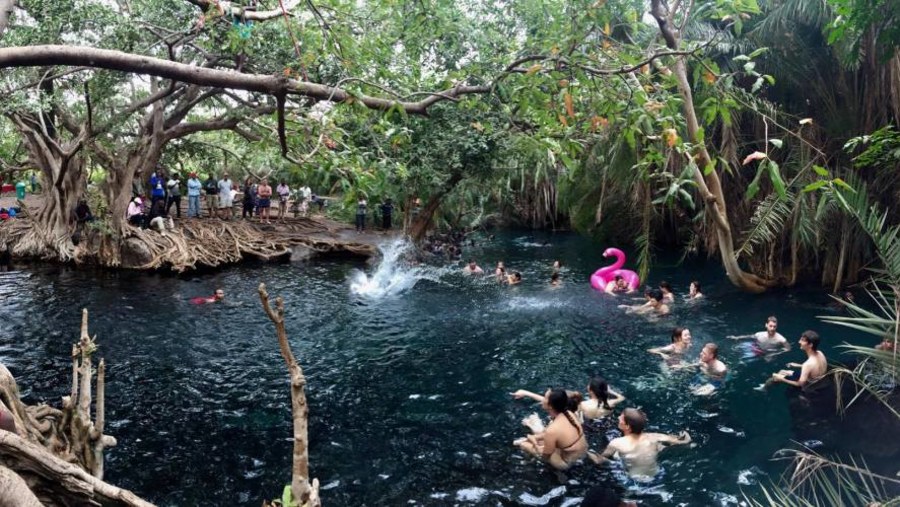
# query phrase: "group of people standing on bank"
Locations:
[[362, 210], [258, 197]]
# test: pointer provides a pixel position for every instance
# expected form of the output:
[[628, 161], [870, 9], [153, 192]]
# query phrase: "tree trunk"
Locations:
[[710, 185], [305, 494], [62, 170], [419, 226], [16, 492], [6, 9]]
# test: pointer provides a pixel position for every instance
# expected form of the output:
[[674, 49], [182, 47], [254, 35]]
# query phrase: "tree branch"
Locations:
[[241, 12]]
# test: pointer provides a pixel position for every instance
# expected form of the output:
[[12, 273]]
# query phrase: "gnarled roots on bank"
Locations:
[[55, 456], [192, 243]]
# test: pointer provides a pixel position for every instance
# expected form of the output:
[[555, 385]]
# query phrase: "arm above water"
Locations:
[[606, 455], [614, 398], [522, 393], [662, 438]]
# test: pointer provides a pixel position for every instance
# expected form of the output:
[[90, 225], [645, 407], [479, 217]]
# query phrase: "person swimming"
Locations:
[[514, 279], [554, 279], [618, 285], [638, 450], [653, 306], [472, 268], [219, 295], [562, 443], [712, 371], [694, 290], [814, 368], [668, 295], [681, 341], [768, 340], [601, 399]]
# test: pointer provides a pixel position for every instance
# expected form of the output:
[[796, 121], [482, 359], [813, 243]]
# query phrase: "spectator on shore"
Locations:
[[284, 194], [174, 188], [193, 189], [265, 200], [387, 210], [361, 209], [157, 191], [226, 199], [211, 187], [249, 200], [83, 212]]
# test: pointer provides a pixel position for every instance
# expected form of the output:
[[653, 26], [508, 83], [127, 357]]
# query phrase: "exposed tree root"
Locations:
[[192, 244], [57, 454]]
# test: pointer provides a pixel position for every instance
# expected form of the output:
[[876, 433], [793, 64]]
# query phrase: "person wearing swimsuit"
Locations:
[[563, 442], [601, 399]]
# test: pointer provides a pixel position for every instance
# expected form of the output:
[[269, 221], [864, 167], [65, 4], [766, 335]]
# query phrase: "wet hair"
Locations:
[[713, 349], [772, 318], [554, 277], [665, 285], [558, 400], [635, 419], [696, 284], [601, 496], [618, 277], [812, 338], [655, 294], [517, 275], [575, 399], [676, 334], [470, 261], [600, 388]]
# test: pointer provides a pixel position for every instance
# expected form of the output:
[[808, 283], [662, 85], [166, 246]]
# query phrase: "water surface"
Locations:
[[408, 387]]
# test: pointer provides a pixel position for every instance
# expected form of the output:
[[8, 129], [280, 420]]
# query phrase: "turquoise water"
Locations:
[[408, 391]]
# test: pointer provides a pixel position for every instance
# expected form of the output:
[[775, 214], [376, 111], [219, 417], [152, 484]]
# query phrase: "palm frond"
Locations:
[[767, 222]]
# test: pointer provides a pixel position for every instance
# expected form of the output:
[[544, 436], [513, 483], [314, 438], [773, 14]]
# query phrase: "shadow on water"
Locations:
[[409, 370]]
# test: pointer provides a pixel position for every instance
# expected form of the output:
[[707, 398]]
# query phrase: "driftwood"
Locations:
[[57, 453], [306, 494], [192, 243]]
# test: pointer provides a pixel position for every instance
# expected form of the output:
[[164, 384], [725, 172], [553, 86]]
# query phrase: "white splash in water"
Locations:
[[394, 275]]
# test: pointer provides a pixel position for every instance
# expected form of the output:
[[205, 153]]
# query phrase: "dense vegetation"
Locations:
[[706, 127]]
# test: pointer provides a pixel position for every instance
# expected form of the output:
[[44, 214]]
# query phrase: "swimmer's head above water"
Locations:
[[632, 421]]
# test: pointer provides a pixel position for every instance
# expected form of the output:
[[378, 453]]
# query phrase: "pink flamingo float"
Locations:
[[601, 278]]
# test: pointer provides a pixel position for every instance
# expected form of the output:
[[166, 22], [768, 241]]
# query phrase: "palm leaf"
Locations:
[[767, 222]]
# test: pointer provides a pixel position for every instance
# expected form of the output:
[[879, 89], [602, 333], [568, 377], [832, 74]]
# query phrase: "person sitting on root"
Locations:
[[562, 442], [636, 449], [135, 214]]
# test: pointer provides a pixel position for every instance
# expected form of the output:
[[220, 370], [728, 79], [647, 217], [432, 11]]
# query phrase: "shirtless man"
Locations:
[[713, 370], [653, 306], [812, 369], [472, 268], [637, 449], [768, 340]]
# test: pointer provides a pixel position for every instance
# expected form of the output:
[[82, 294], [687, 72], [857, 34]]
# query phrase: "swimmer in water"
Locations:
[[694, 291], [218, 296], [601, 400], [514, 279], [681, 341], [472, 268], [500, 272], [668, 295], [812, 369], [713, 370], [768, 340], [562, 443], [554, 280], [653, 306], [638, 450], [618, 286]]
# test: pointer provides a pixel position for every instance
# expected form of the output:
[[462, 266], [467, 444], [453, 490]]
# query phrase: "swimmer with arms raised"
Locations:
[[636, 449], [681, 341], [562, 443]]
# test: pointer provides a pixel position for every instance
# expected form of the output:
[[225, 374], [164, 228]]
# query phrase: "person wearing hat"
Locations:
[[193, 186], [135, 213]]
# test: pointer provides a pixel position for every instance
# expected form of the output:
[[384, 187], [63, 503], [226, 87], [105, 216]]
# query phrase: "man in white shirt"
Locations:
[[226, 201]]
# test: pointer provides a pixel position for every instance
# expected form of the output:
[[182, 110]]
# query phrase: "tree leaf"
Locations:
[[821, 171], [776, 142], [756, 155], [815, 186]]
